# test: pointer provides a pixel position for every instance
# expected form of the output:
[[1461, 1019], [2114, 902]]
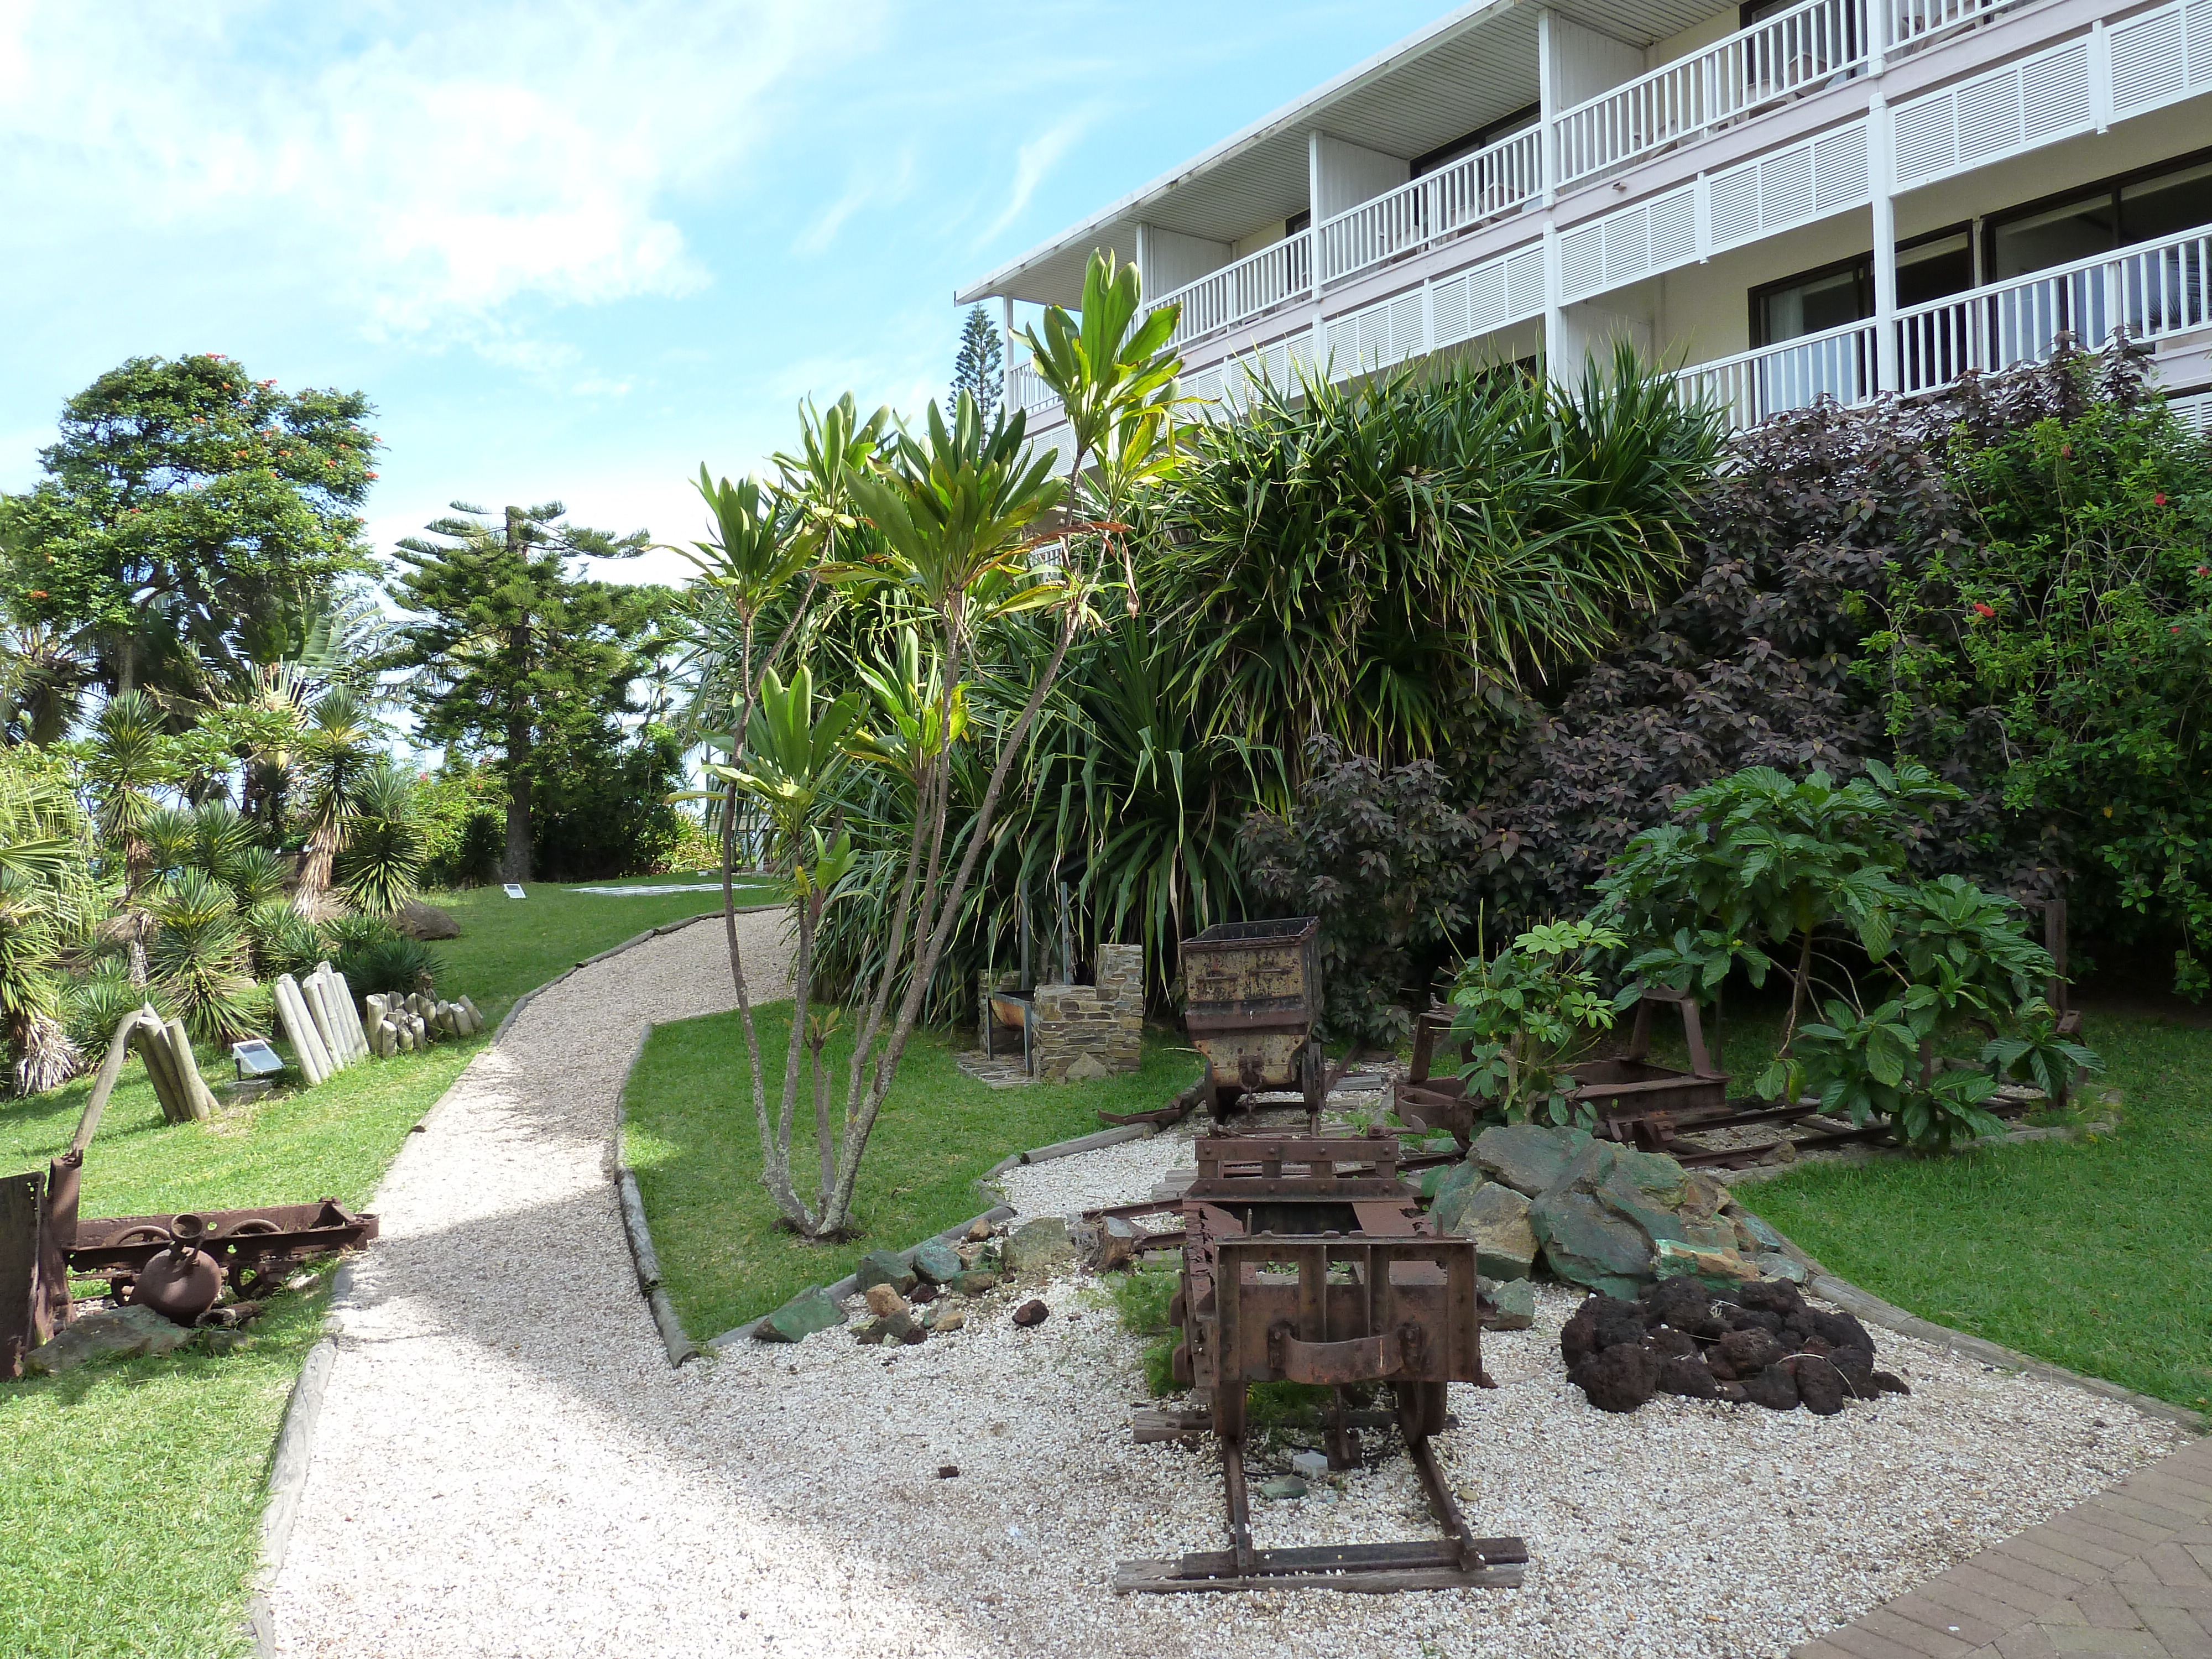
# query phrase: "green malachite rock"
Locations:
[[1528, 1156], [1717, 1270], [1516, 1302], [1664, 1181], [1038, 1246], [884, 1267], [809, 1311], [937, 1262], [1632, 1203], [1585, 1243], [1496, 1217]]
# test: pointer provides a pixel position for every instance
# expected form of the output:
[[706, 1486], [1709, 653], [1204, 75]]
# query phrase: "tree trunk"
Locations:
[[515, 864]]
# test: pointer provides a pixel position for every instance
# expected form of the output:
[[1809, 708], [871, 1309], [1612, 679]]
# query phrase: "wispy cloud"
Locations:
[[433, 172], [872, 185], [1035, 160]]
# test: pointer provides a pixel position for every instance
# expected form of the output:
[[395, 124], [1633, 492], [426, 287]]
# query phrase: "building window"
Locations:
[[1504, 127], [2113, 213], [1928, 268]]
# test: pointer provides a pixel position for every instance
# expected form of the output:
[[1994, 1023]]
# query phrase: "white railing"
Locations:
[[1496, 179], [1837, 363], [1257, 283], [2194, 412], [2149, 291], [1908, 22], [1026, 391], [1793, 51]]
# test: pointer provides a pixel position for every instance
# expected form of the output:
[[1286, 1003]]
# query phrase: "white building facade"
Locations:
[[1845, 197]]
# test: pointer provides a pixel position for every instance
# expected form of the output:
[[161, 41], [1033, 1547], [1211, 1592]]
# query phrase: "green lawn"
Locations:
[[2095, 1254], [98, 1467], [689, 1135]]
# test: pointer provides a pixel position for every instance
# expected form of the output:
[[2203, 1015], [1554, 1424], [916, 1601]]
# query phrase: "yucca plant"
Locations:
[[45, 897], [338, 755], [283, 941], [200, 959], [256, 876], [130, 757], [94, 1007], [381, 860], [394, 966]]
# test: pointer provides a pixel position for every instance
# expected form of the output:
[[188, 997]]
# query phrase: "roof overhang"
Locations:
[[1114, 225]]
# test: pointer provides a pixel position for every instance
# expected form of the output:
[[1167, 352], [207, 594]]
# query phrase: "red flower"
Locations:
[[368, 475], [2176, 628], [2204, 569], [37, 592], [2158, 500], [1982, 609]]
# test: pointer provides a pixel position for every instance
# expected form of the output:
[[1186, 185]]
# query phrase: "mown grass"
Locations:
[[2094, 1254], [131, 1495], [689, 1134]]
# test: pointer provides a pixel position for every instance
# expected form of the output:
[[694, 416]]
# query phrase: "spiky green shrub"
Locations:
[[389, 967], [345, 932], [256, 877], [283, 941], [200, 959], [380, 861], [94, 1007]]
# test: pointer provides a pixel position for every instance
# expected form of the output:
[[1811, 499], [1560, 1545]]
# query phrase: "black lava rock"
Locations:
[[1820, 1386], [1755, 1319], [1840, 1330], [1617, 1379], [1774, 1296], [1749, 1350], [1682, 1303], [1884, 1383], [1687, 1375], [1601, 1323], [1774, 1388], [1667, 1343], [1857, 1365]]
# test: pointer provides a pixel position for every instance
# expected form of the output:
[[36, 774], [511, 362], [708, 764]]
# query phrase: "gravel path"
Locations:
[[505, 1465]]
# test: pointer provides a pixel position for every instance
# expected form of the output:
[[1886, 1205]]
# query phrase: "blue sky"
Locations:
[[572, 251]]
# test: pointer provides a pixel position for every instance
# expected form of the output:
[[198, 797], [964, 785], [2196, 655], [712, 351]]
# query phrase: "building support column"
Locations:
[[1005, 353], [1881, 179]]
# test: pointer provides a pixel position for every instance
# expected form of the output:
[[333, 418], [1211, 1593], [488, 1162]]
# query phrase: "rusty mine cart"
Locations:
[[1252, 992], [1308, 1261]]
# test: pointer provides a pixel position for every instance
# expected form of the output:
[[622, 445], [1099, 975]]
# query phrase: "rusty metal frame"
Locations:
[[1388, 1302]]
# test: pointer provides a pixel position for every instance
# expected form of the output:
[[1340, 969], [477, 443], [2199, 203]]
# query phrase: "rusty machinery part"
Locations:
[[182, 1281], [254, 1250], [1307, 1260], [1252, 991]]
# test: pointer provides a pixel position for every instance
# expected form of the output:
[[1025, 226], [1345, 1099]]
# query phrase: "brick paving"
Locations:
[[2127, 1574]]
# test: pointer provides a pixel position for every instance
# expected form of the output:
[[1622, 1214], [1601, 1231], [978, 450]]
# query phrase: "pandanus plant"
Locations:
[[794, 754]]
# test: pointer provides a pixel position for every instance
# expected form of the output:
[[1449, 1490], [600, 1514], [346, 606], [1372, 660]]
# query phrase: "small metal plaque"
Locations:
[[256, 1059]]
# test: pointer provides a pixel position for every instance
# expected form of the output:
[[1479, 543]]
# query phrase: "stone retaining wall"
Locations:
[[1085, 1032]]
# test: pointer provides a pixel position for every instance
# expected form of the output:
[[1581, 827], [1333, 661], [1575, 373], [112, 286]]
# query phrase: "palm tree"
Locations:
[[44, 893], [44, 683], [338, 751]]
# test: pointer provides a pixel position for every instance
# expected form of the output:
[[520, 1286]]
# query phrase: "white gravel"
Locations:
[[505, 1465]]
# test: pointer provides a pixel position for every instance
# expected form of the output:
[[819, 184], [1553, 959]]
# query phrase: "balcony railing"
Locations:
[[1907, 22], [2147, 292], [1495, 179], [1256, 283], [1837, 363], [2150, 291], [1791, 52], [1026, 391]]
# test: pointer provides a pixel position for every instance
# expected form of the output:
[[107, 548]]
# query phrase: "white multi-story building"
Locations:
[[1838, 197]]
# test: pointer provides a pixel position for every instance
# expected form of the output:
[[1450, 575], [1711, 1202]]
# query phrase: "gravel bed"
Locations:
[[507, 1466]]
